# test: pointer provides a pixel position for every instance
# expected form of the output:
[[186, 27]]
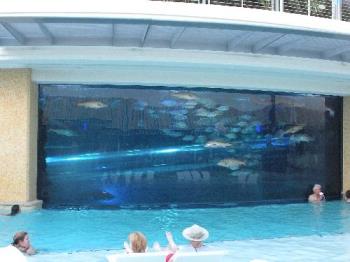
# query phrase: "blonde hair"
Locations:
[[138, 242]]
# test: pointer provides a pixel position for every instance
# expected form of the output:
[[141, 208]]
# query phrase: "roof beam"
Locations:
[[266, 42], [114, 32], [145, 35], [234, 42], [289, 45], [15, 34], [177, 36], [47, 33], [335, 51]]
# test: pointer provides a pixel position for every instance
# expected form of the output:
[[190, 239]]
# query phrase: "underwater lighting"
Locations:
[[111, 155], [82, 157]]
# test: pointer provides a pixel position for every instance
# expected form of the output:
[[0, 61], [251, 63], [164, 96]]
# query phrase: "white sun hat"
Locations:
[[195, 233]]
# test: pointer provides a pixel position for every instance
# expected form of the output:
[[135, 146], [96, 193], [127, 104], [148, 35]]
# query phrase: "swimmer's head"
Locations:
[[138, 242], [21, 239], [317, 189], [14, 210], [347, 194]]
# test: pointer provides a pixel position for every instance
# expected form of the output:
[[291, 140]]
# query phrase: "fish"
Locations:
[[180, 125], [202, 112], [207, 103], [248, 130], [245, 117], [231, 136], [179, 112], [242, 124], [204, 122], [180, 117], [223, 108], [293, 130], [209, 129], [201, 139], [184, 95], [92, 104], [190, 104], [301, 138], [231, 163], [169, 103], [232, 150], [235, 129], [212, 114], [188, 138], [217, 144], [63, 132], [171, 133]]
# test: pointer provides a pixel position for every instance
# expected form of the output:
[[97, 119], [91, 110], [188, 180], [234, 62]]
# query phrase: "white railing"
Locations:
[[332, 9]]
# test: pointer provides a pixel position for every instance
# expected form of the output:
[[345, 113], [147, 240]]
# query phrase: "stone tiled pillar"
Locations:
[[346, 143], [18, 138]]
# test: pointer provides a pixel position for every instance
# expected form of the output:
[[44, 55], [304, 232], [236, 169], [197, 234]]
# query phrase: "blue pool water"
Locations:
[[86, 230]]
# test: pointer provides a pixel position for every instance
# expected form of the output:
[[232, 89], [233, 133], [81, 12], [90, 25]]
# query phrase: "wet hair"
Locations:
[[138, 242], [316, 186], [14, 210], [18, 237], [347, 194]]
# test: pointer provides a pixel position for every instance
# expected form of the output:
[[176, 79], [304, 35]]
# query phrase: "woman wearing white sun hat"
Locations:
[[195, 234]]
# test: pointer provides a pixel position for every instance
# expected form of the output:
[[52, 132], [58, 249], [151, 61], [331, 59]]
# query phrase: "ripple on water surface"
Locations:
[[73, 230]]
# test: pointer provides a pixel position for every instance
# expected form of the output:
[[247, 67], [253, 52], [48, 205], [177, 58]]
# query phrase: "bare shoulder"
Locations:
[[312, 198]]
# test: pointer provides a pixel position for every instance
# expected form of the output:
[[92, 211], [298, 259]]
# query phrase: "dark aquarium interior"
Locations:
[[141, 147]]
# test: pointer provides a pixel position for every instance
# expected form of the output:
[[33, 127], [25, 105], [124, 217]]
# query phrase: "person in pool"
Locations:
[[137, 243], [195, 235], [347, 196], [317, 195], [14, 210], [22, 243]]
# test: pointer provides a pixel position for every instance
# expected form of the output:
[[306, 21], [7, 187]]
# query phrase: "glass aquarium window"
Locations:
[[134, 146]]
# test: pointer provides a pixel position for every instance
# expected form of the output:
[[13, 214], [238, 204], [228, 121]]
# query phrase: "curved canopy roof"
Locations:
[[137, 23]]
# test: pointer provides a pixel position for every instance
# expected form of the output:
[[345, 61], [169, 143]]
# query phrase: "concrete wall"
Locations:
[[18, 137], [346, 143]]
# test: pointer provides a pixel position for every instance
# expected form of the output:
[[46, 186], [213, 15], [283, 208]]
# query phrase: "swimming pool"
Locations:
[[268, 231]]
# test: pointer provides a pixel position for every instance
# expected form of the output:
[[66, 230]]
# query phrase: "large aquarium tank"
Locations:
[[159, 147]]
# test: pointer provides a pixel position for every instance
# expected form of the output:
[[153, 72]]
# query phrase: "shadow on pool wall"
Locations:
[[140, 147]]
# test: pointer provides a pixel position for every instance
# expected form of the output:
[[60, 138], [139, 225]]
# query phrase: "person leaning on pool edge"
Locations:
[[347, 196], [317, 195], [137, 243], [195, 235], [22, 243], [14, 210]]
